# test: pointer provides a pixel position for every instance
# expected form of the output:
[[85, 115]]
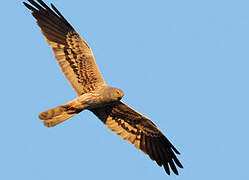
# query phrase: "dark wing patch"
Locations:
[[140, 131], [72, 53]]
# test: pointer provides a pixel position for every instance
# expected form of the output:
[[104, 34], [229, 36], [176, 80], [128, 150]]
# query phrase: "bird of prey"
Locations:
[[77, 62]]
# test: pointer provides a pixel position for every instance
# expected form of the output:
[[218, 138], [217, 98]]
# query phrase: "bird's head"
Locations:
[[116, 94]]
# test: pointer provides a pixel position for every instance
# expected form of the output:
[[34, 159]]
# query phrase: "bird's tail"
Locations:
[[59, 114]]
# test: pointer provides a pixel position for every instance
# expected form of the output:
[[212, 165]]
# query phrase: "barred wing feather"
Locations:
[[140, 131], [72, 53]]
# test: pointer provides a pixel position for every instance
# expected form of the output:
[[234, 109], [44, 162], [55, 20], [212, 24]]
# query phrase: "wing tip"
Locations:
[[29, 6], [156, 145]]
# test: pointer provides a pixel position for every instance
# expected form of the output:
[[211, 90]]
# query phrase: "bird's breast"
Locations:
[[93, 100]]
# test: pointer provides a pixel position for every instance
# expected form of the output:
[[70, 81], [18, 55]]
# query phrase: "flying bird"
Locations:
[[77, 62]]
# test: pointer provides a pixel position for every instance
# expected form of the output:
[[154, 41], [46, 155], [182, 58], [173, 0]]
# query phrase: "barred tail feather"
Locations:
[[57, 115]]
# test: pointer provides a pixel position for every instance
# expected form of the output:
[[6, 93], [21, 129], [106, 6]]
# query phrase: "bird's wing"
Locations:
[[140, 131], [72, 53]]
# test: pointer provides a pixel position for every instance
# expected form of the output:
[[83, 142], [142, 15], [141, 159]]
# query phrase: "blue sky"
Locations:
[[182, 63]]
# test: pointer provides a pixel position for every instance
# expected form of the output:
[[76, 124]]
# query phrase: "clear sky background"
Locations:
[[182, 63]]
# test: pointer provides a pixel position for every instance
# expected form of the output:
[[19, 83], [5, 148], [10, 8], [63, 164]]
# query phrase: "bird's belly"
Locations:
[[92, 100]]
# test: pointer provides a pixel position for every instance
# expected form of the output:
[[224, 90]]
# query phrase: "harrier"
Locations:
[[77, 62]]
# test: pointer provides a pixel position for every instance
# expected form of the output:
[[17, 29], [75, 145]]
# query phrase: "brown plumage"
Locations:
[[140, 131], [77, 62], [72, 53]]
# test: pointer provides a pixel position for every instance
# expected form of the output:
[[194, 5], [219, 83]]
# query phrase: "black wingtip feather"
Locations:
[[166, 142], [178, 163], [150, 148], [166, 168], [154, 150], [29, 7], [173, 167], [43, 4], [62, 17], [36, 5], [49, 9], [56, 10], [48, 20], [176, 151]]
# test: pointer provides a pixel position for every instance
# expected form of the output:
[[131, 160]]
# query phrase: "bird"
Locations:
[[78, 64]]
